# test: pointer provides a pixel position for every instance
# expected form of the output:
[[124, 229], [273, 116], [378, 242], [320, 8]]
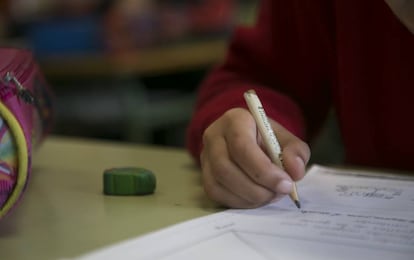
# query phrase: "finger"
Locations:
[[258, 166], [232, 178], [248, 155], [217, 193], [295, 157], [295, 152]]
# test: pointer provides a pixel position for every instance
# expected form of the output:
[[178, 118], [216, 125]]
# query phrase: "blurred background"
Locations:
[[128, 70], [124, 69]]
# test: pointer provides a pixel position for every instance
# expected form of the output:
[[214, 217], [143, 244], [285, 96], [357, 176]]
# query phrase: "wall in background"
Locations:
[[124, 69], [129, 69]]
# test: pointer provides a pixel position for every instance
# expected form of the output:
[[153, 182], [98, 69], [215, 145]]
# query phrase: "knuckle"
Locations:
[[235, 115], [229, 114]]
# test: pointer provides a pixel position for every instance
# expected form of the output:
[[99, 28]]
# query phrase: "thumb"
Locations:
[[295, 152], [295, 156]]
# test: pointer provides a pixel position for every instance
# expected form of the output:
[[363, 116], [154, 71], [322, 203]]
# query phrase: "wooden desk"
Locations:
[[64, 213]]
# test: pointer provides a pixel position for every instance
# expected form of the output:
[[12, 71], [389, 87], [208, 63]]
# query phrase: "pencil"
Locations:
[[266, 131]]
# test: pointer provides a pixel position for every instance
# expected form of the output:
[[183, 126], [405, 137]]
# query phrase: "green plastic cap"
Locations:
[[128, 181]]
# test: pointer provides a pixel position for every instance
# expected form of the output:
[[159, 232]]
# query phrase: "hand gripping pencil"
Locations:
[[271, 143]]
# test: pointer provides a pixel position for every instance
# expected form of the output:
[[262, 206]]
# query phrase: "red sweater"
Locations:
[[304, 57]]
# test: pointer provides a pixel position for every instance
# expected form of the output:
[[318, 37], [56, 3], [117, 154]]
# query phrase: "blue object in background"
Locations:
[[56, 36]]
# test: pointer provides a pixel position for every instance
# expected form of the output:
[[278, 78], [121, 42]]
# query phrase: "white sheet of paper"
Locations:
[[345, 215]]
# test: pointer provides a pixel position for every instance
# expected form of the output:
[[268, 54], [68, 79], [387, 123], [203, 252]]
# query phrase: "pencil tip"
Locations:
[[297, 203]]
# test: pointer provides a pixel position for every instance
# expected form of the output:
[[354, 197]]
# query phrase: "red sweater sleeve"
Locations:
[[286, 57]]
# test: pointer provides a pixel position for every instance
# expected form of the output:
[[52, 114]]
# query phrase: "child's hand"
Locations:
[[235, 168]]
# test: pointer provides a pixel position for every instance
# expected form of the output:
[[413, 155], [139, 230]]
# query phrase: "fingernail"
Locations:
[[284, 186]]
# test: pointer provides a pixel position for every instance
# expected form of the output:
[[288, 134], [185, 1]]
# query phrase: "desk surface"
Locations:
[[63, 212]]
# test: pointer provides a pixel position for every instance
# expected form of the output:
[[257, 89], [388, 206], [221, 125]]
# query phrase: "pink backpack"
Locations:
[[25, 119]]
